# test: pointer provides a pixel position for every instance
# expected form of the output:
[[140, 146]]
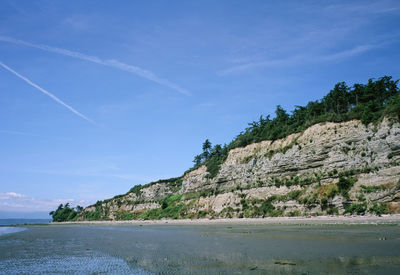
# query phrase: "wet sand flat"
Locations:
[[204, 248]]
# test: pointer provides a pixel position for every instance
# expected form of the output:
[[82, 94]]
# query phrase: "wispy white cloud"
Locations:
[[316, 32], [94, 59], [47, 93], [266, 63], [365, 7], [299, 59], [16, 202], [9, 195], [346, 53]]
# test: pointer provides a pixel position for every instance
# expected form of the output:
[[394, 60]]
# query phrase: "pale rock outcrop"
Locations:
[[310, 159]]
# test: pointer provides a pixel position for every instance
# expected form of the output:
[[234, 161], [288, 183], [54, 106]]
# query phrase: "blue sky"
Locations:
[[98, 96]]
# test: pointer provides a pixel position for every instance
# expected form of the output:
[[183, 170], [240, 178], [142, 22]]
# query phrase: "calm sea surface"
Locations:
[[23, 221], [202, 249]]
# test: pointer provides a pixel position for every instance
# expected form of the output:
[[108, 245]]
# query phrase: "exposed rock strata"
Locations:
[[300, 175]]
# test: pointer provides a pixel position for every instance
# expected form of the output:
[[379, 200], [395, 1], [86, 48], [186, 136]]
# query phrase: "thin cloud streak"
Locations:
[[47, 93], [94, 59], [375, 7], [294, 60], [348, 53]]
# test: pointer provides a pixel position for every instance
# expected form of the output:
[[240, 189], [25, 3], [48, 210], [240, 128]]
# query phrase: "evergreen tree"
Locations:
[[367, 102], [206, 149]]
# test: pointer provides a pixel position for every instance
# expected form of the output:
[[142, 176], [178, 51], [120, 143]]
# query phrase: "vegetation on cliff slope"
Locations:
[[366, 102], [65, 213]]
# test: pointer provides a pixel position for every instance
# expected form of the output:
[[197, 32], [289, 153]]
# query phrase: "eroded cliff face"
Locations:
[[330, 168]]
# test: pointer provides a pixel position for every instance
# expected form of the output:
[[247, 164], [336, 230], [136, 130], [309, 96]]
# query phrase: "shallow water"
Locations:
[[9, 230], [203, 249], [23, 221]]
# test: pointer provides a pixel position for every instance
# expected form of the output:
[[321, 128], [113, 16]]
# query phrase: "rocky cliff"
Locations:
[[330, 168]]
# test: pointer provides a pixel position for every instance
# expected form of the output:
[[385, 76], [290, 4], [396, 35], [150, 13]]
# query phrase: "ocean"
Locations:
[[23, 221], [201, 249]]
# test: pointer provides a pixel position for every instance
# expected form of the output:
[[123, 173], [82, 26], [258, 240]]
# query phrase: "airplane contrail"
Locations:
[[46, 93], [94, 59]]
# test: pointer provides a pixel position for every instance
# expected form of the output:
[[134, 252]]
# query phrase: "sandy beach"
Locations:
[[368, 219]]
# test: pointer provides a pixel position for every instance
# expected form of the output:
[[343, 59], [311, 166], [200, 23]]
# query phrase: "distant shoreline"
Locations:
[[370, 219]]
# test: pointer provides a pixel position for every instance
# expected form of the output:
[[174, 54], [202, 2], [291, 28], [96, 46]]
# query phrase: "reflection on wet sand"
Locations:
[[258, 249]]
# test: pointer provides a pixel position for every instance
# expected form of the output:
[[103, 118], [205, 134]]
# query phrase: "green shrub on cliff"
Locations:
[[65, 213], [171, 207], [374, 188], [379, 209], [355, 208], [124, 215], [345, 184], [366, 102]]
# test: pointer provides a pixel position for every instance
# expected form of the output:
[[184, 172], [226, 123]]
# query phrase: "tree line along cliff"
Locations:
[[337, 155]]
